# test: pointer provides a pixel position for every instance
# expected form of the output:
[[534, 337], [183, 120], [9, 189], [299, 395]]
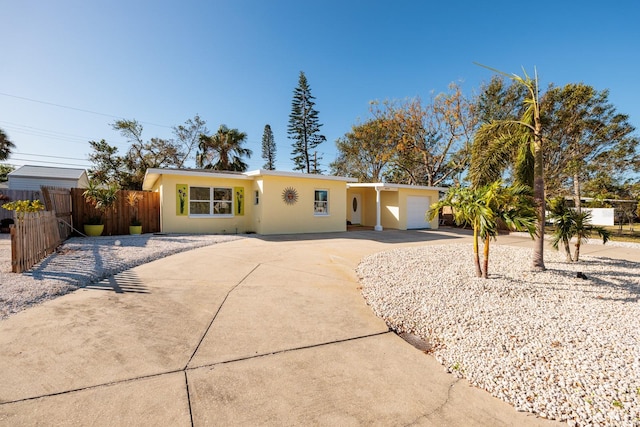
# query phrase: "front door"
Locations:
[[356, 209]]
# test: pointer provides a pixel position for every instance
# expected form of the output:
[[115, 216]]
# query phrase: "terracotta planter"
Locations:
[[135, 229], [93, 230]]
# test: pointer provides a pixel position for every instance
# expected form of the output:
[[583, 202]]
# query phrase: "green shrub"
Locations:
[[22, 206]]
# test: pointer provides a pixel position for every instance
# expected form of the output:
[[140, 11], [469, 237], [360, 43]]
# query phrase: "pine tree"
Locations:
[[268, 149], [315, 163], [304, 127]]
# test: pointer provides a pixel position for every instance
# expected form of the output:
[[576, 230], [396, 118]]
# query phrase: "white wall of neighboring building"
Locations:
[[26, 183], [601, 216], [29, 177]]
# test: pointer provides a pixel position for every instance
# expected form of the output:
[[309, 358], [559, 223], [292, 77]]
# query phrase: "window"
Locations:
[[257, 199], [321, 202], [210, 201], [222, 201], [199, 201]]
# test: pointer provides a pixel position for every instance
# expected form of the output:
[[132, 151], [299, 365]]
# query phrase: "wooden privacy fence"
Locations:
[[59, 200], [34, 235], [118, 218]]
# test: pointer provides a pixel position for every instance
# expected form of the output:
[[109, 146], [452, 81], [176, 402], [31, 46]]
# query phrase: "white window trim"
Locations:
[[328, 212], [211, 201]]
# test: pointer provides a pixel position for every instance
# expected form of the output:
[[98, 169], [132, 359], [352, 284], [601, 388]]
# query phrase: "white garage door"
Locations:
[[417, 207]]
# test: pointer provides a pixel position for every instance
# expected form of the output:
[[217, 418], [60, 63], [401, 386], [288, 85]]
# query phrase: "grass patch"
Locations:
[[618, 234]]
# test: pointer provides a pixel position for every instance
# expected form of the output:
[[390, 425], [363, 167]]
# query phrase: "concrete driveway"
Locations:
[[259, 331]]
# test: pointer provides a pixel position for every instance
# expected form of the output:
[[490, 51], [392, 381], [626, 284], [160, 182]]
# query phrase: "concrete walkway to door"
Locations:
[[258, 331]]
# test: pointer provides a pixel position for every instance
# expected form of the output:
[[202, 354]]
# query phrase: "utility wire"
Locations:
[[44, 161], [17, 127], [43, 133], [77, 109], [53, 157]]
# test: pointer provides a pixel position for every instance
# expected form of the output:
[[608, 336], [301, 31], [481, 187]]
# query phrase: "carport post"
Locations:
[[378, 227]]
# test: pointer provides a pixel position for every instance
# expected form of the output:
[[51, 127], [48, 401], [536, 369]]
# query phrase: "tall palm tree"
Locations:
[[5, 146], [498, 139], [223, 150]]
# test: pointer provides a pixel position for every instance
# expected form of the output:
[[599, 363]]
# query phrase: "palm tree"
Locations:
[[223, 150], [570, 223], [483, 208], [513, 206], [584, 231], [498, 140], [5, 146], [562, 218], [468, 209]]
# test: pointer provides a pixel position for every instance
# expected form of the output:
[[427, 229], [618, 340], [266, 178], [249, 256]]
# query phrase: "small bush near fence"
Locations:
[[34, 235], [12, 195]]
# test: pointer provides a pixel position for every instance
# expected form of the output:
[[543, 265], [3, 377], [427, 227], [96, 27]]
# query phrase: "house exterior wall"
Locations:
[[171, 222], [258, 204], [256, 222], [389, 210], [403, 193], [271, 215], [393, 204], [368, 207], [278, 217], [83, 181]]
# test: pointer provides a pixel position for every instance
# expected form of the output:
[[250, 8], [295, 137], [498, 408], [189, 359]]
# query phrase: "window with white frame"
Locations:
[[210, 201], [257, 199], [321, 202]]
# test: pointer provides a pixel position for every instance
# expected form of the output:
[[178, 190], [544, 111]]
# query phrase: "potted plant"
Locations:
[[102, 198], [136, 224]]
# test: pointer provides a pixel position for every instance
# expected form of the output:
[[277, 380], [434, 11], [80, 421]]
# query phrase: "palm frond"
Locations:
[[493, 150]]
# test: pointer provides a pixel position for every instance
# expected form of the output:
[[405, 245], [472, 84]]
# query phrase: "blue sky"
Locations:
[[236, 62]]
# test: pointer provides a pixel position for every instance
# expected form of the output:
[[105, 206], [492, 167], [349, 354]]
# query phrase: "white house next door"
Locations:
[[356, 209]]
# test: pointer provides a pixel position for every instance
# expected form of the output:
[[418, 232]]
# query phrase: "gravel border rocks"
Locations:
[[549, 343], [81, 261]]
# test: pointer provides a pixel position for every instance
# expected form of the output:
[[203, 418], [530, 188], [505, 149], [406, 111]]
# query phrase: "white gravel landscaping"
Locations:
[[84, 260], [547, 342]]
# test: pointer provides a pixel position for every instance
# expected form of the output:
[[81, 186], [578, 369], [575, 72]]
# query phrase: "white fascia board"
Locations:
[[394, 187], [262, 172]]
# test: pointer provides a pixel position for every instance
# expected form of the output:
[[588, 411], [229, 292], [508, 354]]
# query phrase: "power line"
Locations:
[[77, 109], [55, 135], [44, 161], [18, 126], [53, 157], [45, 135]]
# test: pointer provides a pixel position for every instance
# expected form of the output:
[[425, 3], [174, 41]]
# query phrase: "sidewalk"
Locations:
[[268, 331]]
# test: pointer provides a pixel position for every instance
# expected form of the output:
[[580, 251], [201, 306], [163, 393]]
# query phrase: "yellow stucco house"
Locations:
[[382, 205], [274, 202]]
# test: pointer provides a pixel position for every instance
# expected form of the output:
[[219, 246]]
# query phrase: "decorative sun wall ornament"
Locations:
[[290, 195]]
